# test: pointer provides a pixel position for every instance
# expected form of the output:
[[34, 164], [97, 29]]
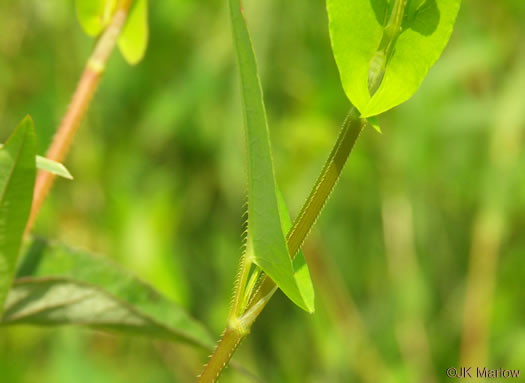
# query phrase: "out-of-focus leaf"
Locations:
[[51, 166], [356, 31], [266, 240], [57, 285], [133, 40], [17, 181], [95, 15]]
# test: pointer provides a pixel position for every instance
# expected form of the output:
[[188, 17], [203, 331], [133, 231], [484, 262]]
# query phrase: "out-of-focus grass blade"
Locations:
[[133, 40], [17, 181], [266, 240], [56, 285]]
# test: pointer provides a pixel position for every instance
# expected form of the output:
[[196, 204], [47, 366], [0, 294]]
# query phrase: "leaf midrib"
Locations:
[[127, 305]]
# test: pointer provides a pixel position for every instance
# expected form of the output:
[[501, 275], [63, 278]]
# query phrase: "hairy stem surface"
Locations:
[[239, 329], [230, 340]]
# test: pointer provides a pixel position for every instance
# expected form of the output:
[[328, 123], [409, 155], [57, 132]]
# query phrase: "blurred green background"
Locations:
[[427, 216]]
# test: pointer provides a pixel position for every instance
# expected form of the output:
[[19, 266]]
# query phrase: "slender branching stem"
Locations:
[[239, 327], [324, 186], [79, 104]]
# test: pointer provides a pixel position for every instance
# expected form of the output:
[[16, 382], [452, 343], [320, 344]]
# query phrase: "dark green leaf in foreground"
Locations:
[[57, 285], [266, 240], [17, 181], [357, 29]]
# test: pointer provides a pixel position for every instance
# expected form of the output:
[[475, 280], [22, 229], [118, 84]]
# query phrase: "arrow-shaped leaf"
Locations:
[[266, 240]]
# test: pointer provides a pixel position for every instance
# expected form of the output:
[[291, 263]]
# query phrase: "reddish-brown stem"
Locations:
[[63, 137], [79, 104]]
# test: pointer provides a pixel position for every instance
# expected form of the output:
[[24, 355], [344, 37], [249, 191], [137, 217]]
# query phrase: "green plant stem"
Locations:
[[324, 186], [230, 340], [239, 328], [319, 195], [79, 104]]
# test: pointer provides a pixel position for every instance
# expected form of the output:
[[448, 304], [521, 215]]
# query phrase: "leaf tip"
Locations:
[[28, 118], [27, 122]]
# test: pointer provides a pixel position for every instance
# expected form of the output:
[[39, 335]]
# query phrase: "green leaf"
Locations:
[[133, 40], [17, 181], [356, 32], [95, 15], [301, 272], [266, 240], [53, 167], [57, 285]]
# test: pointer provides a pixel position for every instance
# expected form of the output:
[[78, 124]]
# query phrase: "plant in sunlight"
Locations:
[[383, 50]]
